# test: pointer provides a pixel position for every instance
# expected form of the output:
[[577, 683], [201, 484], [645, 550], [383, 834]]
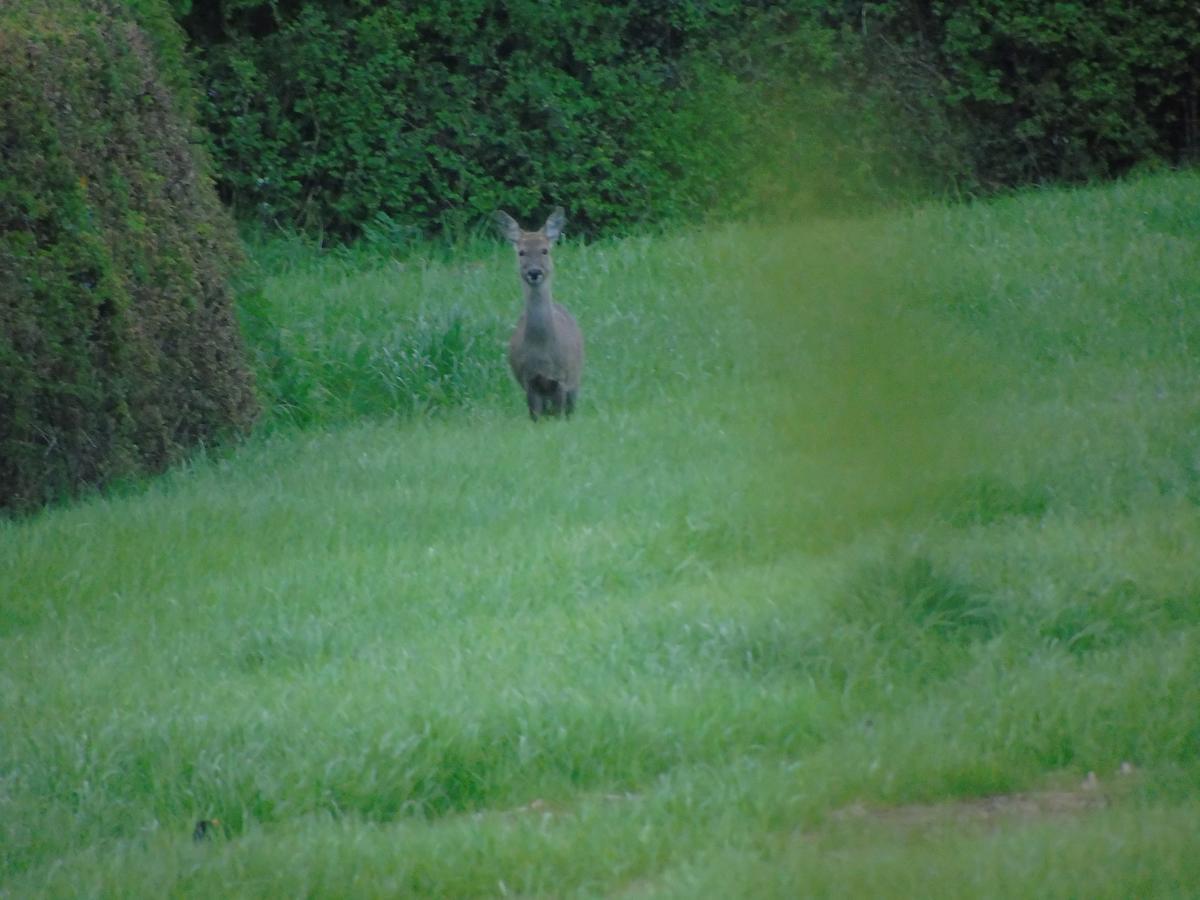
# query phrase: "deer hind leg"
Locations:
[[562, 399], [549, 394], [535, 401], [569, 403]]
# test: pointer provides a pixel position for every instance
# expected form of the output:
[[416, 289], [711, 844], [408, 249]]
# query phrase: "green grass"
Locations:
[[860, 523]]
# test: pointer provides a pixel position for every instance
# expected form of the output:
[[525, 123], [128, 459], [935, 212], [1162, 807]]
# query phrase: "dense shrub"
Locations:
[[425, 116], [420, 117], [1037, 91], [118, 346]]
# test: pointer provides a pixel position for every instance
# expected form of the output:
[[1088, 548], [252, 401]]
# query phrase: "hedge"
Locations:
[[1043, 92], [119, 351], [419, 118], [424, 117]]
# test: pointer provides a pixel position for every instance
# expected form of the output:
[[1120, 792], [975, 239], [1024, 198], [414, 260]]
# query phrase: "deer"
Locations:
[[546, 348]]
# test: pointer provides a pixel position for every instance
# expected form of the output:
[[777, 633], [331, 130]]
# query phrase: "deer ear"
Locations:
[[554, 225], [507, 225]]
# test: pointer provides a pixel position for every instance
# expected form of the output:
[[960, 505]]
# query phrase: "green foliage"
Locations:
[[425, 119], [326, 116], [157, 20], [118, 347], [1039, 92], [332, 369], [359, 331]]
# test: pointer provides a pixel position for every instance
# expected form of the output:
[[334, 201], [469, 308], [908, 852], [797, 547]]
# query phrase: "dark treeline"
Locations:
[[410, 118]]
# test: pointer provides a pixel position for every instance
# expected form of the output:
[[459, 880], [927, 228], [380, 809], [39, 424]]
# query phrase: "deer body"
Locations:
[[546, 348]]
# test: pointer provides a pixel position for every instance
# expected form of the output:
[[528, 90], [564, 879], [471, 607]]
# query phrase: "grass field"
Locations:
[[867, 568]]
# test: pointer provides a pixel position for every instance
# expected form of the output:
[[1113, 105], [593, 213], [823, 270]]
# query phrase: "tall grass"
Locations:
[[860, 523]]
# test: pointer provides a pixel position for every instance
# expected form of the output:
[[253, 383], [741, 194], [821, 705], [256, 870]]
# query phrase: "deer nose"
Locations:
[[533, 275]]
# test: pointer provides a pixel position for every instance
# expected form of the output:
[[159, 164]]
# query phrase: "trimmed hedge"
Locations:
[[1041, 92], [119, 351], [412, 118], [422, 118]]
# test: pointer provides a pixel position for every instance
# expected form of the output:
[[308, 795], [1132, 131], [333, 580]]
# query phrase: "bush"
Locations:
[[1039, 92], [118, 347], [329, 115]]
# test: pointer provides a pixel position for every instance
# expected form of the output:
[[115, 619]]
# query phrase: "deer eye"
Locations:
[[520, 253], [544, 251]]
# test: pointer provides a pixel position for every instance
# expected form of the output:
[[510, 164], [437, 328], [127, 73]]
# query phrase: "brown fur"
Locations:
[[546, 349]]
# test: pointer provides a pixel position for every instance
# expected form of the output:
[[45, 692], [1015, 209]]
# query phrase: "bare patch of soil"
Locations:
[[1087, 796]]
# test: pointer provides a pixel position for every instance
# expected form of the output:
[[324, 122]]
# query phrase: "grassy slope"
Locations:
[[856, 517]]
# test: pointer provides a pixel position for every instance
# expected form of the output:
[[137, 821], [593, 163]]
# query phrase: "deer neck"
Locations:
[[539, 316]]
